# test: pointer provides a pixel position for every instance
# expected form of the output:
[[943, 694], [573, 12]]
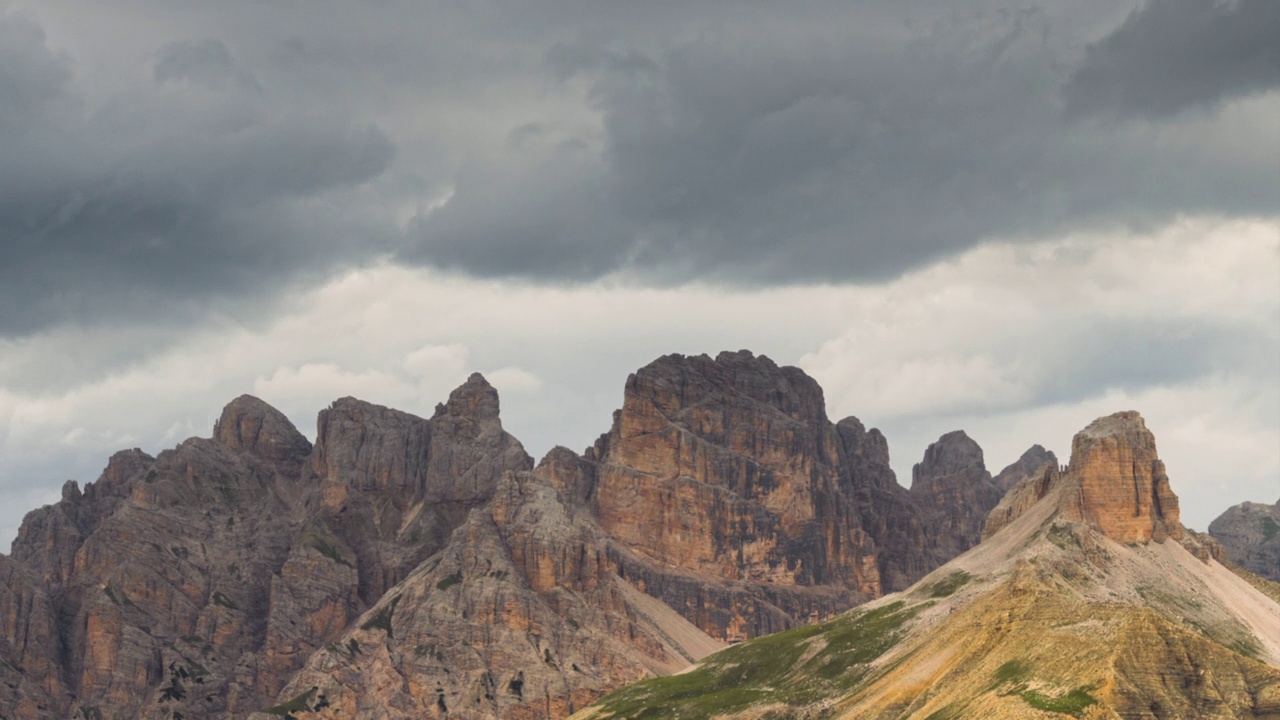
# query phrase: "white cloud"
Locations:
[[1014, 343]]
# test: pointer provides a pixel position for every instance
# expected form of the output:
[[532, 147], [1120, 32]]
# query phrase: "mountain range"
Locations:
[[408, 567]]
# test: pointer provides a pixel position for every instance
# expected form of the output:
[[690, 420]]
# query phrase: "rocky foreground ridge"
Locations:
[[1086, 598], [426, 568]]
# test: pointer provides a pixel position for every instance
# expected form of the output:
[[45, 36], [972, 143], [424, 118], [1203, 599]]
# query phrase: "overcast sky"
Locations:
[[1003, 218]]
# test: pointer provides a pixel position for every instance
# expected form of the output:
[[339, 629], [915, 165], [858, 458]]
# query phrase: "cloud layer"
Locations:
[[226, 155], [1017, 343]]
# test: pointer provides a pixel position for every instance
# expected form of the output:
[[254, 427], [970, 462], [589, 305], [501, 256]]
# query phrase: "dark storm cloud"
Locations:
[[162, 201], [1170, 55], [824, 148], [250, 144]]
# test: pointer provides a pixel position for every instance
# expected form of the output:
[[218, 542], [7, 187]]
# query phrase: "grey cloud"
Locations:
[[1171, 55], [1090, 356], [746, 156], [170, 205], [732, 142], [31, 75], [203, 61]]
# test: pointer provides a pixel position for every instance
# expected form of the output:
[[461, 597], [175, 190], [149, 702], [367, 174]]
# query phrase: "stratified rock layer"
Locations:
[[1123, 485]]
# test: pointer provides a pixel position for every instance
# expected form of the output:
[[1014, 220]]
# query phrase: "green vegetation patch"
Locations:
[[795, 668], [1248, 647], [224, 601], [953, 711], [1063, 536], [1073, 703], [318, 537], [449, 581], [301, 703], [947, 586], [382, 618], [1269, 528], [1014, 671]]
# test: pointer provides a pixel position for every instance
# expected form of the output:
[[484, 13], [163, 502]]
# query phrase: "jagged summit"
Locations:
[[955, 452], [1017, 471], [1054, 615], [954, 474], [475, 399], [250, 425]]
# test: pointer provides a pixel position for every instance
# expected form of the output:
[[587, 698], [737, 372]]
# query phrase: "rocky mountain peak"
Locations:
[[249, 425], [122, 466], [1123, 488], [1024, 467], [954, 490], [953, 453], [673, 383], [1250, 534], [474, 399]]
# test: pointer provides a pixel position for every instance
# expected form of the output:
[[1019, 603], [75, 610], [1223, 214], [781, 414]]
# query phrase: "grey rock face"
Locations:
[[1250, 533], [424, 565], [955, 492], [249, 425], [1024, 467]]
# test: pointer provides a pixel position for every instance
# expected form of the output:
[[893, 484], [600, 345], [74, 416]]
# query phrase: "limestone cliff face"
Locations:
[[1024, 467], [729, 469], [423, 566], [392, 486], [32, 683], [1114, 482], [1250, 534], [724, 467], [521, 616], [955, 492], [1058, 613], [1123, 487]]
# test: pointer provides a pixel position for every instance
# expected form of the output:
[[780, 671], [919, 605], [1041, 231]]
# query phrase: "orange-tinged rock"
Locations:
[[1123, 488]]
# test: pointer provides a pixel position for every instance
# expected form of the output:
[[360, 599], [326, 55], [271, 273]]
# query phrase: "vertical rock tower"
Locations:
[[1123, 488]]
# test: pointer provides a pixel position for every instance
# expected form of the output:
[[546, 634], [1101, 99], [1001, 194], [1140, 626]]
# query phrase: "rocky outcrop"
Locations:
[[1250, 534], [1022, 497], [1114, 482], [955, 492], [1054, 616], [729, 469], [521, 616], [392, 486], [423, 565], [249, 425], [887, 511], [1024, 467], [1123, 488]]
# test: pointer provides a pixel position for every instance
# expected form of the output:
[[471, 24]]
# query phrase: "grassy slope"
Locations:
[[793, 669], [1049, 638]]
